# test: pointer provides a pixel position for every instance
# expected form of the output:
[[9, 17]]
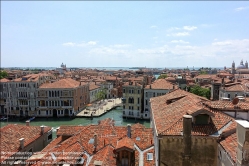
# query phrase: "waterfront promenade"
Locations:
[[99, 108]]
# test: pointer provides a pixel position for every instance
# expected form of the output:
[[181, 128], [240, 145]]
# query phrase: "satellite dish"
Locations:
[[235, 101]]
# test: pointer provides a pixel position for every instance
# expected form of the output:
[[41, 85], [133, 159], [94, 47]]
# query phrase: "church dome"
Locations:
[[241, 66]]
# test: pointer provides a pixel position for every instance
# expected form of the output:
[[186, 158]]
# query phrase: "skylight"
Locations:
[[91, 141], [149, 156], [138, 138]]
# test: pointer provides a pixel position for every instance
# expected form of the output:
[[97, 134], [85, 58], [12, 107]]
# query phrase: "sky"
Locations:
[[124, 33]]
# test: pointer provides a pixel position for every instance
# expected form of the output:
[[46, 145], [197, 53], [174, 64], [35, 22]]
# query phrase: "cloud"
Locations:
[[241, 8], [189, 28], [120, 45], [92, 43], [82, 44], [224, 43], [179, 41], [153, 26], [179, 34], [69, 44], [110, 50]]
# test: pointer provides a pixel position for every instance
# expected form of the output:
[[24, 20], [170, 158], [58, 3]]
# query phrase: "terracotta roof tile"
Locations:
[[63, 83], [230, 145], [125, 142], [160, 84], [168, 111], [11, 134]]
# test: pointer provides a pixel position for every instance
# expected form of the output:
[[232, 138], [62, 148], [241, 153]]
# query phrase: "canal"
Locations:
[[116, 114]]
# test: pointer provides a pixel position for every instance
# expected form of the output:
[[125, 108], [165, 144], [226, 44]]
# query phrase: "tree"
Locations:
[[204, 92], [162, 76], [3, 74], [101, 94], [203, 72]]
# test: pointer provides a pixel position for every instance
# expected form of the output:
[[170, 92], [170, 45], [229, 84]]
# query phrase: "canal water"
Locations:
[[116, 114]]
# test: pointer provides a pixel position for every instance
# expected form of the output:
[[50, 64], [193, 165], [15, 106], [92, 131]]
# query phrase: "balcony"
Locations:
[[66, 106]]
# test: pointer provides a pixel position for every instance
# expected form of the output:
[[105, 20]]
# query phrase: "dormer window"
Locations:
[[202, 119]]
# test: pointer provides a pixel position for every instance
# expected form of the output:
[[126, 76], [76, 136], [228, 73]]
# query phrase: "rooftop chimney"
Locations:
[[95, 142], [27, 122], [21, 140], [42, 130], [187, 141], [129, 130], [242, 131]]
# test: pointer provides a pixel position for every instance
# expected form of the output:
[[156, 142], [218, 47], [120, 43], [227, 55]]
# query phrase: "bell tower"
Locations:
[[233, 68]]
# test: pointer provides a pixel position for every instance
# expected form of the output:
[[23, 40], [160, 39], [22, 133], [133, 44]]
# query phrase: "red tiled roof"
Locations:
[[93, 86], [167, 116], [125, 142], [160, 84], [105, 155], [11, 134], [237, 87], [63, 83], [230, 145], [70, 130], [109, 138], [227, 105], [4, 80]]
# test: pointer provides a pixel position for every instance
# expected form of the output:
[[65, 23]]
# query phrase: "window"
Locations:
[[138, 100], [138, 108], [149, 156], [123, 90], [138, 91], [228, 95], [220, 155], [146, 102], [202, 119], [123, 112], [39, 112], [46, 112], [146, 94], [50, 137], [123, 106]]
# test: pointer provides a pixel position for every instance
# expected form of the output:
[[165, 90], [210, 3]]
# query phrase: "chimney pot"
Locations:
[[95, 140], [42, 130], [129, 130], [21, 143], [27, 122], [187, 140]]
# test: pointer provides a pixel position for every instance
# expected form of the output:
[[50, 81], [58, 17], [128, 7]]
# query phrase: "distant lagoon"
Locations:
[[107, 68]]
